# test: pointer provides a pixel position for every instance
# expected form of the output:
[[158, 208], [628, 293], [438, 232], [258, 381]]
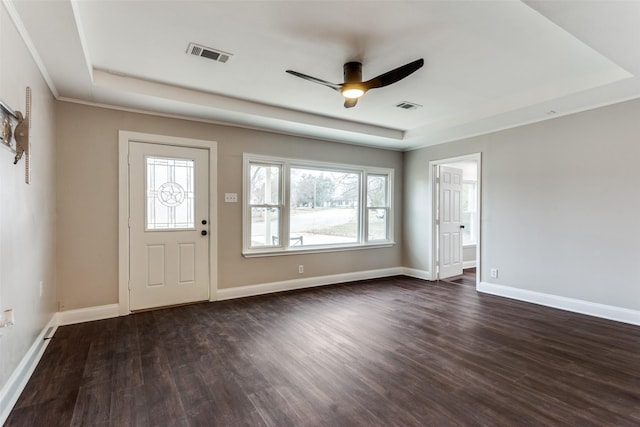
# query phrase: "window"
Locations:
[[293, 205], [265, 204], [377, 207], [469, 212], [170, 194]]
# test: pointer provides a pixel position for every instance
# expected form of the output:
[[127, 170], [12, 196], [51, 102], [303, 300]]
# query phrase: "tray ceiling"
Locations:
[[489, 65]]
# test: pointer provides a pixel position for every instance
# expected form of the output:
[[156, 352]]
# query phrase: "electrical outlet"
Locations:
[[231, 197], [494, 273], [300, 269]]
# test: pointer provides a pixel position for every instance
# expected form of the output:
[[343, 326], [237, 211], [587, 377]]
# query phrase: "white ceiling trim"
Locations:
[[22, 30], [211, 122], [211, 101], [513, 125], [83, 39]]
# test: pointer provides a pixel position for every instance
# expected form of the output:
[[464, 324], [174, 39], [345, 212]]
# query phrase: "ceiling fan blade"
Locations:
[[395, 75], [350, 102], [333, 86]]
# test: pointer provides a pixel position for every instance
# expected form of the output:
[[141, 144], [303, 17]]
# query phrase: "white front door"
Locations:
[[168, 225], [450, 222]]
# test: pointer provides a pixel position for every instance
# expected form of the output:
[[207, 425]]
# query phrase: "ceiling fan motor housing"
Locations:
[[353, 72]]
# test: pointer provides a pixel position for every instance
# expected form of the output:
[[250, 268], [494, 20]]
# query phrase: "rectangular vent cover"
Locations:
[[209, 53], [405, 105]]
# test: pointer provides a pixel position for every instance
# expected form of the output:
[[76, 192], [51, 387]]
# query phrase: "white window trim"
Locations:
[[284, 248]]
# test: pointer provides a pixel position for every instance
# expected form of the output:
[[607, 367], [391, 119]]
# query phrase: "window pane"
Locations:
[[469, 213], [377, 191], [377, 224], [469, 196], [324, 207], [467, 236], [265, 227], [265, 184], [170, 194]]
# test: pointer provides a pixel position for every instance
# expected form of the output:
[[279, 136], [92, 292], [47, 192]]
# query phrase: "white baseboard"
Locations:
[[418, 274], [88, 314], [18, 380], [610, 312], [307, 282]]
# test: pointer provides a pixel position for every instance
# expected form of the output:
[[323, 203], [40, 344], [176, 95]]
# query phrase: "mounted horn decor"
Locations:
[[14, 133]]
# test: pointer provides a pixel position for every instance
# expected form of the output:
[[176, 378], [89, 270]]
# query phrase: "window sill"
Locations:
[[314, 250]]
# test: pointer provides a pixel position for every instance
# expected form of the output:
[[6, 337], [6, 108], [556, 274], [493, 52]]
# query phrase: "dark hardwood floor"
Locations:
[[467, 278], [388, 352]]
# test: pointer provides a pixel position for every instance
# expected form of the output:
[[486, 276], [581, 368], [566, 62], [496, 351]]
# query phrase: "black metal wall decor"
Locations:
[[14, 133]]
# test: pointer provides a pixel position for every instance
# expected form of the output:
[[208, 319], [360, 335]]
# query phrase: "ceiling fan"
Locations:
[[353, 86]]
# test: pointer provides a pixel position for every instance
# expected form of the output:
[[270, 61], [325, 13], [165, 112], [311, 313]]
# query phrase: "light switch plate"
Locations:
[[231, 197]]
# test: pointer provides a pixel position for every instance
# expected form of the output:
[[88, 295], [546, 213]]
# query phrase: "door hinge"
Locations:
[[129, 285], [129, 222]]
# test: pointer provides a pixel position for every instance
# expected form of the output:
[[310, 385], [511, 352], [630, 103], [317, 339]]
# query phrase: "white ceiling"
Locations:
[[489, 65]]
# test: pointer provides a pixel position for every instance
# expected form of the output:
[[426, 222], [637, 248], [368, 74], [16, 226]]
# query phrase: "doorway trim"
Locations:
[[433, 199], [124, 137]]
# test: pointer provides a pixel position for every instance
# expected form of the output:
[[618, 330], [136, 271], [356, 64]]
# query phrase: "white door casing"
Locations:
[[169, 243], [450, 222]]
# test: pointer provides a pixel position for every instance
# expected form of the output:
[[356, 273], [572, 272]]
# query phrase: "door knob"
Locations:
[[203, 232], [462, 226]]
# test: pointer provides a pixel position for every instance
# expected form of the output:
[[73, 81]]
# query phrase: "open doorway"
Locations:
[[456, 201]]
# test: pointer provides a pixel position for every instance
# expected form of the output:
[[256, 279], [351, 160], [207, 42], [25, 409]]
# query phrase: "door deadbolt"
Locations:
[[203, 232]]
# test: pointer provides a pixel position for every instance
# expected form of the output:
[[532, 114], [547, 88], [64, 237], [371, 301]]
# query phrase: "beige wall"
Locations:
[[27, 212], [560, 201], [87, 227]]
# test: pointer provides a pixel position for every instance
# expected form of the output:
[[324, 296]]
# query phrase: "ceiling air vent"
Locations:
[[207, 52], [405, 105]]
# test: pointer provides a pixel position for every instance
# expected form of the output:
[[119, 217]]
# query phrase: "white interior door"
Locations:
[[450, 222], [168, 225]]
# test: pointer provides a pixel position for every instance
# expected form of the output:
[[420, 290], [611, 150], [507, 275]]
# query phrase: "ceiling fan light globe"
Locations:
[[352, 92]]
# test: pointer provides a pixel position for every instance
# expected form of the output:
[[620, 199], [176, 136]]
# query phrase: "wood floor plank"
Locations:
[[128, 408], [224, 400], [126, 370], [388, 352], [93, 405], [57, 412]]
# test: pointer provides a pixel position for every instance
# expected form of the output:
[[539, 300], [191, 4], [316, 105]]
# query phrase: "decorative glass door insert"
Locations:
[[170, 194]]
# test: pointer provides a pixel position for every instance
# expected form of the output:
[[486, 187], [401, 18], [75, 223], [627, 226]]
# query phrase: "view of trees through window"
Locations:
[[324, 207]]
